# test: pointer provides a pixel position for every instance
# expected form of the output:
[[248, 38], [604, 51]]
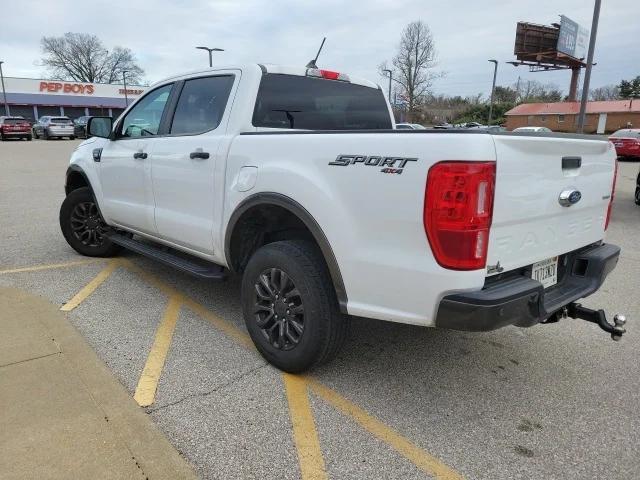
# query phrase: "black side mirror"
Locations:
[[100, 126]]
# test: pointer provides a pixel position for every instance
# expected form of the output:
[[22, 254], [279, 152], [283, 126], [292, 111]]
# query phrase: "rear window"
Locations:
[[61, 120], [627, 133], [307, 103], [14, 121]]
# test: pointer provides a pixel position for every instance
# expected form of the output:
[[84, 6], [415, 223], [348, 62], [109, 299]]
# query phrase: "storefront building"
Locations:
[[34, 98]]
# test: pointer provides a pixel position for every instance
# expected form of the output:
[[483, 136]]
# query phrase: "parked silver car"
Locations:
[[53, 127]]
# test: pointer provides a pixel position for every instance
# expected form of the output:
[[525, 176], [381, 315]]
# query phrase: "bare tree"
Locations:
[[413, 64], [83, 57], [532, 91], [608, 92]]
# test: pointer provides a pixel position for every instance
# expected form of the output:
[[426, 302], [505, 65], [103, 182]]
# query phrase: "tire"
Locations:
[[29, 138], [637, 196], [35, 134], [72, 137], [83, 227], [45, 135], [2, 138], [314, 329]]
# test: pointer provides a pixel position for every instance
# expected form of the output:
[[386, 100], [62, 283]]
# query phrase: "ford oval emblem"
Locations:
[[569, 197]]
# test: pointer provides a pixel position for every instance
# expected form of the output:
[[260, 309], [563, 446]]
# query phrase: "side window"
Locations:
[[144, 119], [201, 104]]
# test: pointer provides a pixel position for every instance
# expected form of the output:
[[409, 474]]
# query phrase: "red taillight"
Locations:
[[613, 191], [458, 206]]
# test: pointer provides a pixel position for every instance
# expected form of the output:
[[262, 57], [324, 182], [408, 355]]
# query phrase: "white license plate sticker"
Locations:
[[546, 272]]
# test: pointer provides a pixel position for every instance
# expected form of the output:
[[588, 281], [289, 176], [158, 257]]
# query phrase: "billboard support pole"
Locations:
[[587, 73], [573, 86]]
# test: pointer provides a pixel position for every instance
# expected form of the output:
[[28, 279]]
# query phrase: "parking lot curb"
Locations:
[[64, 414]]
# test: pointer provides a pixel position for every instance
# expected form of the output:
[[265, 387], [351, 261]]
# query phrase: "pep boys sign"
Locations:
[[64, 87]]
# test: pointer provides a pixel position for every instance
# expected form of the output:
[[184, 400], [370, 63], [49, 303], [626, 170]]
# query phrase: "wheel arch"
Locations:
[[275, 200], [76, 178]]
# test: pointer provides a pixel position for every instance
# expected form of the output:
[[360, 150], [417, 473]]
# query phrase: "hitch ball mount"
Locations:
[[575, 310]]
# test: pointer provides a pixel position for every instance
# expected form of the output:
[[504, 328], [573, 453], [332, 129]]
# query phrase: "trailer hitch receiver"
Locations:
[[575, 310]]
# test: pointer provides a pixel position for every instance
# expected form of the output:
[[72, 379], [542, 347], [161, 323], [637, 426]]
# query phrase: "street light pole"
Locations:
[[493, 89], [211, 50], [390, 80], [4, 93], [587, 72], [124, 80]]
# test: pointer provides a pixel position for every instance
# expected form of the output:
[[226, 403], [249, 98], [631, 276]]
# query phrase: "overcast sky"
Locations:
[[360, 34]]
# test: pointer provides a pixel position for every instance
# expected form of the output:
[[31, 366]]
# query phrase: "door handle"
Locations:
[[140, 155], [199, 154]]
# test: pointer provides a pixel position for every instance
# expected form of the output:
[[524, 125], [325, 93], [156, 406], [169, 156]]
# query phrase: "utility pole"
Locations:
[[493, 89], [211, 50], [124, 80], [4, 93], [518, 89], [390, 79], [587, 72]]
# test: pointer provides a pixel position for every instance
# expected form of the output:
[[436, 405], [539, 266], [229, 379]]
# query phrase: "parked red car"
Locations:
[[627, 142], [14, 127]]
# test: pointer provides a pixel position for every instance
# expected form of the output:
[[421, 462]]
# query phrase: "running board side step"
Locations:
[[206, 270]]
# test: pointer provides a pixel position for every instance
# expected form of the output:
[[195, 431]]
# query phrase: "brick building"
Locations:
[[602, 117]]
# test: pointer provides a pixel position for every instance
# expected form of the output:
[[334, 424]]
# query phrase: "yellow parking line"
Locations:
[[305, 435], [225, 326], [411, 452], [36, 268], [90, 287], [148, 383]]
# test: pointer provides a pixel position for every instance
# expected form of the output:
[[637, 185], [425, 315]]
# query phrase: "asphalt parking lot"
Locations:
[[556, 401]]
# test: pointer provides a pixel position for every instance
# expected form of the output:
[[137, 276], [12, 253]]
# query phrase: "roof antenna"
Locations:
[[312, 63]]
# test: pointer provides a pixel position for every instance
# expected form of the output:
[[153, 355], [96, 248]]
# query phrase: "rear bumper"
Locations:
[[25, 133], [628, 152], [519, 300], [56, 132]]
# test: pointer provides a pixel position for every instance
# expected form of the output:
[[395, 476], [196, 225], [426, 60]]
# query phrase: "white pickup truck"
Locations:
[[296, 179]]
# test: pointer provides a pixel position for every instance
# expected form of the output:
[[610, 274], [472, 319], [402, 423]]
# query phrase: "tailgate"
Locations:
[[529, 223]]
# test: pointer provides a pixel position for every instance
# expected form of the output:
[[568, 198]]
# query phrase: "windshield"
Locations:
[[61, 121], [294, 102], [14, 121], [627, 133]]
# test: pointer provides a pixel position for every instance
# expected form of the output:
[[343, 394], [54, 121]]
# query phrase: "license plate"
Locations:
[[546, 272]]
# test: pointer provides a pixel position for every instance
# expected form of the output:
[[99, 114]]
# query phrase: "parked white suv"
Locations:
[[296, 179]]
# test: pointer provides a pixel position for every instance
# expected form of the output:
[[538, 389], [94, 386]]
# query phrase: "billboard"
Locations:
[[572, 38]]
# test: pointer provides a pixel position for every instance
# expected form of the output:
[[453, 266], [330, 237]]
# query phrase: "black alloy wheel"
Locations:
[[290, 306], [279, 311], [83, 226], [87, 225]]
